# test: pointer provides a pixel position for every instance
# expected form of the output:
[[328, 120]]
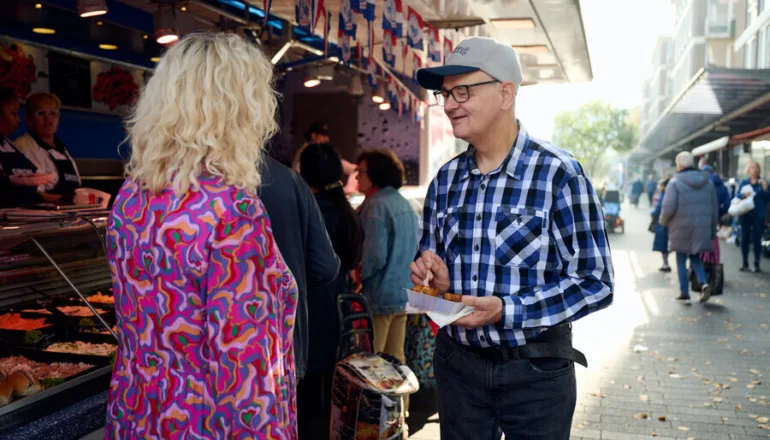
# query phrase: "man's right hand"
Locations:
[[430, 262]]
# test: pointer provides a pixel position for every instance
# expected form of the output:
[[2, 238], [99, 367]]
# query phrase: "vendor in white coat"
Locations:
[[46, 151]]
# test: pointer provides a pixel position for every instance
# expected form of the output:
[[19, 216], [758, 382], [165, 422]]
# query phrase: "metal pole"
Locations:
[[63, 275]]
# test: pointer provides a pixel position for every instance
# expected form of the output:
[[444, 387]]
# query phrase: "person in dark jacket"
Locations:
[[302, 239], [637, 188], [322, 168], [723, 195], [690, 211], [753, 223], [660, 243], [652, 186]]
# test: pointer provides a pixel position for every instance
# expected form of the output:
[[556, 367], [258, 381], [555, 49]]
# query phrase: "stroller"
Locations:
[[612, 216], [368, 389]]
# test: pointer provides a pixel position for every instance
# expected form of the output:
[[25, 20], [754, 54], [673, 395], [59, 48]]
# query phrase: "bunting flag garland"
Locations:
[[393, 18], [404, 54], [392, 93], [371, 67], [304, 10], [434, 44], [319, 12], [344, 43], [389, 44], [448, 49], [416, 66], [414, 29], [368, 11], [347, 20]]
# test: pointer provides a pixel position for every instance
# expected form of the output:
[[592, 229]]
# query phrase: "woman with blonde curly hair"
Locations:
[[205, 304]]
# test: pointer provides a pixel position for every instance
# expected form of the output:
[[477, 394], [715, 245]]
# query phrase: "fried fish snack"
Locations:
[[426, 290], [454, 297]]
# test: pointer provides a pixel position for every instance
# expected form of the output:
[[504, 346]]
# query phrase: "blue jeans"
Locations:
[[526, 399], [681, 269], [752, 228]]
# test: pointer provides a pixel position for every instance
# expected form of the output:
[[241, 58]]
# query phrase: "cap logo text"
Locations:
[[462, 50]]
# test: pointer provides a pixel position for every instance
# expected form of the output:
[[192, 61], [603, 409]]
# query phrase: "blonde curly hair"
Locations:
[[209, 107]]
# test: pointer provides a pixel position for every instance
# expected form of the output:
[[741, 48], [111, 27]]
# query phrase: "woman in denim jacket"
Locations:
[[390, 243]]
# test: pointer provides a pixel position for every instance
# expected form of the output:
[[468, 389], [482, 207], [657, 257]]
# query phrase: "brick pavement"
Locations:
[[706, 371]]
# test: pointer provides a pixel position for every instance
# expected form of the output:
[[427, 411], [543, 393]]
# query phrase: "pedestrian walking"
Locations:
[[660, 242], [514, 226], [690, 211], [753, 223], [652, 186]]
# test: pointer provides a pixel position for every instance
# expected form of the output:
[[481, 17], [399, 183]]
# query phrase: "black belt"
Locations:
[[553, 343]]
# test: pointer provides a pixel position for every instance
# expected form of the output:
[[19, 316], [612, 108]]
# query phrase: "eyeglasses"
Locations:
[[459, 93]]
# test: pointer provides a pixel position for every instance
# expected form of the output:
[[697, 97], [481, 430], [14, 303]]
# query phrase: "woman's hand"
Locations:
[[763, 182]]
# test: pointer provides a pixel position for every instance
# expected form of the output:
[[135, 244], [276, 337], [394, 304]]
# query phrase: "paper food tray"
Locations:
[[433, 304]]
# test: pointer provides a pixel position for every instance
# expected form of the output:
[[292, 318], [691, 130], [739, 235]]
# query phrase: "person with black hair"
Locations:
[[19, 178], [321, 167], [318, 133], [390, 243]]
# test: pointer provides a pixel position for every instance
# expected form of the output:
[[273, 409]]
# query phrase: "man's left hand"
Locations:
[[488, 311]]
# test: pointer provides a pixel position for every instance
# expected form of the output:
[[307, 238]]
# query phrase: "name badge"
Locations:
[[58, 156]]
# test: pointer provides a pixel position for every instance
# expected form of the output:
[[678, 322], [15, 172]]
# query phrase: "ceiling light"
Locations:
[[155, 59], [100, 23], [531, 49], [146, 37], [385, 106], [355, 85], [108, 46], [311, 78], [164, 21], [379, 93], [44, 31], [92, 8], [183, 9], [513, 23], [38, 6]]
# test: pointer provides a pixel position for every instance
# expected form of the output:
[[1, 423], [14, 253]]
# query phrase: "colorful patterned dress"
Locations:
[[205, 310]]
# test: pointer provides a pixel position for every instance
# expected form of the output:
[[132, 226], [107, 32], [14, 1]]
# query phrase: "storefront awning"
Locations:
[[711, 146], [717, 102]]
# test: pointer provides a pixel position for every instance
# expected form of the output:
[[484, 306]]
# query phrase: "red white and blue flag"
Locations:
[[389, 44], [393, 17], [434, 44], [415, 29], [347, 20]]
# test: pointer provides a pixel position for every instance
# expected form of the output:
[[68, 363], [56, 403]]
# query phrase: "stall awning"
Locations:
[[717, 102], [711, 146]]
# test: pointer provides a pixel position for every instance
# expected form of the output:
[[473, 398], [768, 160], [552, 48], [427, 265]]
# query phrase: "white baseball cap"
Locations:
[[473, 54]]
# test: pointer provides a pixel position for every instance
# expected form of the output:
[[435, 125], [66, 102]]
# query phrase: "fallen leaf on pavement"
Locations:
[[662, 418], [644, 397], [683, 428], [755, 372], [765, 427], [643, 416], [717, 399], [732, 379], [708, 404], [640, 348], [751, 386], [762, 420], [738, 407], [675, 376], [627, 387], [599, 395]]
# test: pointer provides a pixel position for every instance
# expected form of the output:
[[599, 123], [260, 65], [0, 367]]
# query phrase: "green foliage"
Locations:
[[593, 129]]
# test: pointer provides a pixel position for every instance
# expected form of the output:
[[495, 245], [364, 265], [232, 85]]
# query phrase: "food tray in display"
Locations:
[[433, 304], [74, 388]]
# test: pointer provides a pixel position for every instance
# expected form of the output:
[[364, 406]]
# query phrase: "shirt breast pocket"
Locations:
[[449, 231], [519, 236]]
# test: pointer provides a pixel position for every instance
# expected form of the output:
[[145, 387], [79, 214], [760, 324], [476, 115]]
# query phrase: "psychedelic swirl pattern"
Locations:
[[205, 309]]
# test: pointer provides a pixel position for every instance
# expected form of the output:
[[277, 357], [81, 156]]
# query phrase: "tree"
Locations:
[[591, 130]]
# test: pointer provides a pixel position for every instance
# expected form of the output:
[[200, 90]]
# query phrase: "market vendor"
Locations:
[[19, 177], [45, 150]]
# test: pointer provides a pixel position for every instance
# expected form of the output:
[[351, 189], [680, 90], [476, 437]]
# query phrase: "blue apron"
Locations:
[[14, 163], [68, 176]]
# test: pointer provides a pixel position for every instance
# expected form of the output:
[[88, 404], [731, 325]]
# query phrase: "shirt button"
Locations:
[[483, 186], [482, 338], [475, 278], [478, 217], [476, 248]]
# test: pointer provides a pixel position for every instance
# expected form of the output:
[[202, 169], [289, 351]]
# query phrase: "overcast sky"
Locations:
[[621, 37]]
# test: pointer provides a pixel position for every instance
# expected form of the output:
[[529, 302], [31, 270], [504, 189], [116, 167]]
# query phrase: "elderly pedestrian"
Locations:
[[660, 243], [690, 212], [514, 225]]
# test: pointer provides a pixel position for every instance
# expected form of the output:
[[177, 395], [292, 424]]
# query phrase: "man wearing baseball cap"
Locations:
[[514, 225]]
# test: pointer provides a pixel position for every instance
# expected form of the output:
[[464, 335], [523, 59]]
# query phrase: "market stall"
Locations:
[[56, 348]]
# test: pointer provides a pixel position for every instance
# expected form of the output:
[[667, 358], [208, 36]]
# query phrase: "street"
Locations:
[[662, 369]]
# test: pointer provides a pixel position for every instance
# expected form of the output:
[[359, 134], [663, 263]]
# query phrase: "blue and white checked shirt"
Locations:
[[531, 232]]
